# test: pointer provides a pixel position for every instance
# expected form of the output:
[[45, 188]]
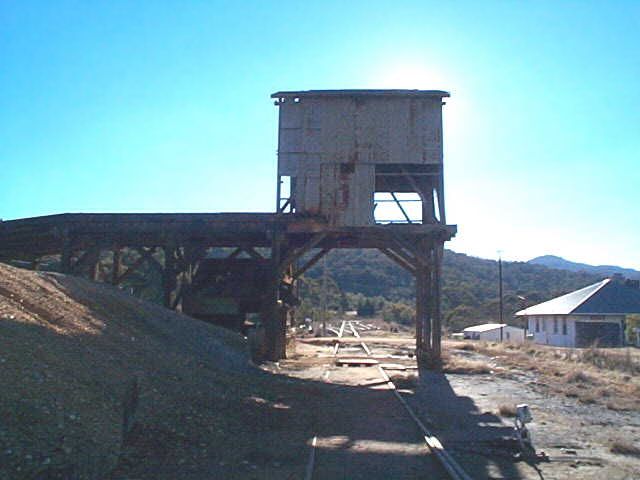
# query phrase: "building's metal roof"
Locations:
[[361, 93], [602, 298], [486, 327]]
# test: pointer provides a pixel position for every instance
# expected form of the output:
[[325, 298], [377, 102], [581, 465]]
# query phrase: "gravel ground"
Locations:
[[69, 351], [463, 410], [362, 430]]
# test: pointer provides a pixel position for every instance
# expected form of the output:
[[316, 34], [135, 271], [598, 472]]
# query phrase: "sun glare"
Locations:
[[408, 75]]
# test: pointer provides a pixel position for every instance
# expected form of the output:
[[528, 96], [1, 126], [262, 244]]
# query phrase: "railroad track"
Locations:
[[450, 465]]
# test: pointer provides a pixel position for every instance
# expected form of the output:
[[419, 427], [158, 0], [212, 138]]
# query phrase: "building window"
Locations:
[[564, 326], [537, 325], [544, 324], [555, 324]]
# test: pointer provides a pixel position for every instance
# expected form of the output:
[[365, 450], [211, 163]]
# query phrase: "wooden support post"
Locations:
[[80, 261], [117, 265], [169, 275], [424, 305], [192, 254], [428, 299], [436, 316], [420, 280], [440, 196], [312, 261], [93, 261], [67, 252], [409, 251], [273, 311], [404, 212], [399, 260], [294, 255], [145, 254], [253, 253], [428, 205]]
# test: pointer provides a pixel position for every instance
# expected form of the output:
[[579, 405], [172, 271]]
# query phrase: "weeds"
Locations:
[[465, 366], [578, 376], [610, 360]]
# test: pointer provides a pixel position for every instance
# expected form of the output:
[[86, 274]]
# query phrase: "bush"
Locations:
[[398, 313]]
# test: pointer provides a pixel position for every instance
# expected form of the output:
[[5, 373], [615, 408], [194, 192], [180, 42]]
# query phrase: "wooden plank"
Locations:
[[395, 199], [356, 361], [398, 259], [252, 253], [116, 265], [297, 253], [312, 261]]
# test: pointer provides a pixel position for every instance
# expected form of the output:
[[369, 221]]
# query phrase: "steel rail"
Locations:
[[451, 466]]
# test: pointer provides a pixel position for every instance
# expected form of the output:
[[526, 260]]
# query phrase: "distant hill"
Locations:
[[470, 284], [552, 261]]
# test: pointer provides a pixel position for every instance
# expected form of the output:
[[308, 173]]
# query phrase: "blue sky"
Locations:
[[164, 106]]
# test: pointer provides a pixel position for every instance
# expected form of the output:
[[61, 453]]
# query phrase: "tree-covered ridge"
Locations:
[[470, 284]]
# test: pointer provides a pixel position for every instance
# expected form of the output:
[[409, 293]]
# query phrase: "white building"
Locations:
[[593, 315], [494, 332]]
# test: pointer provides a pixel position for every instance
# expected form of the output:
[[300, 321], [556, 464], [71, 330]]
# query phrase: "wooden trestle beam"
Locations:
[[185, 238], [312, 261]]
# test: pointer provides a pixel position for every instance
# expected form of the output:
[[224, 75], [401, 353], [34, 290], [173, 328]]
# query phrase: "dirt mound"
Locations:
[[71, 352]]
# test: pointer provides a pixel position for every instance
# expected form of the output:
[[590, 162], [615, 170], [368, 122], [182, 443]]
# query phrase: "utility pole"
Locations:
[[500, 282]]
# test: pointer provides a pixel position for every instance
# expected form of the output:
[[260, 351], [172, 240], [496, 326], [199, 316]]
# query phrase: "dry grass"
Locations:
[[624, 447], [507, 410], [608, 377], [578, 376], [623, 360], [469, 347], [455, 364]]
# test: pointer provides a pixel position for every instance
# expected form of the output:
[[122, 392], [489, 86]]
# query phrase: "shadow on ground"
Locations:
[[202, 413], [479, 440]]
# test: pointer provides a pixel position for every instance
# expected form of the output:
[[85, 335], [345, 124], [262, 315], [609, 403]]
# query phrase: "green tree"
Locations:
[[399, 313]]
